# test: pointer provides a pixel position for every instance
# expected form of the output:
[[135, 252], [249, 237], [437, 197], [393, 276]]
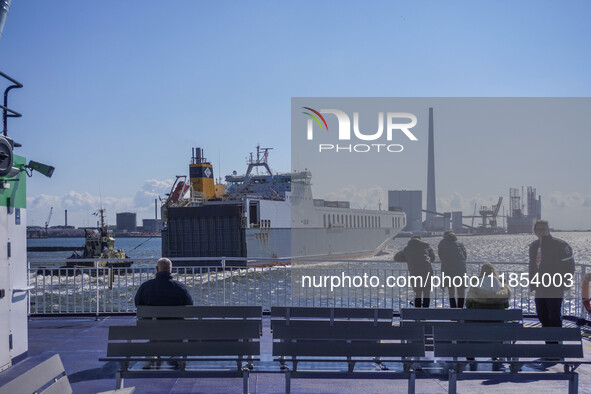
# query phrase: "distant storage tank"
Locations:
[[201, 174]]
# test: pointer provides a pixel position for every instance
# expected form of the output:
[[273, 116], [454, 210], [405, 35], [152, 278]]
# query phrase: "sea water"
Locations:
[[496, 248], [89, 291]]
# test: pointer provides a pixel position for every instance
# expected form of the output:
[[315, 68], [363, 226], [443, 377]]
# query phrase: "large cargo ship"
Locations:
[[261, 215]]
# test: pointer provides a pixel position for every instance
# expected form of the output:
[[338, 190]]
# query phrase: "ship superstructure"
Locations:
[[265, 215], [519, 220]]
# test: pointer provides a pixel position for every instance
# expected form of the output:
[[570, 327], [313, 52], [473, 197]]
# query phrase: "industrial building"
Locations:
[[126, 222], [151, 226], [411, 203]]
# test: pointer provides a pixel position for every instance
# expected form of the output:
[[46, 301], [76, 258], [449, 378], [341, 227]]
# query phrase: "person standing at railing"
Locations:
[[163, 290], [418, 256], [452, 254], [551, 268]]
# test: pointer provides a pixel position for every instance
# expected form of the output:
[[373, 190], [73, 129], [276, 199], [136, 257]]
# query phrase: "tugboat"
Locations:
[[99, 244]]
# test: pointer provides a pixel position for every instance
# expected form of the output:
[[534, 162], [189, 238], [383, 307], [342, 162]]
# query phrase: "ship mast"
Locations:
[[101, 213], [261, 161]]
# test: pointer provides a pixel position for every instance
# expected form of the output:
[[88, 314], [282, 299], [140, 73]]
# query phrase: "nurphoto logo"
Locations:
[[395, 122]]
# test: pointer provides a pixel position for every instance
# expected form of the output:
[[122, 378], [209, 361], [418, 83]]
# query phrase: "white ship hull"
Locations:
[[316, 243]]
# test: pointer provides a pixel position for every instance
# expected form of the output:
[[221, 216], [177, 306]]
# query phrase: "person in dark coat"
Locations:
[[163, 290], [452, 254], [418, 256], [549, 256]]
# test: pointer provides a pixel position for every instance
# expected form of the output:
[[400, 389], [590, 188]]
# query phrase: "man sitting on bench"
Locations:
[[162, 291]]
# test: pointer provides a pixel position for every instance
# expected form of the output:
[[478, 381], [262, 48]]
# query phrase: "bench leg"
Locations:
[[411, 382], [452, 381], [573, 383], [118, 381], [287, 381], [245, 374]]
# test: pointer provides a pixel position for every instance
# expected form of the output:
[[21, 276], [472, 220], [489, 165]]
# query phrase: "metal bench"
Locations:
[[428, 319], [512, 344], [49, 377], [343, 335], [188, 334]]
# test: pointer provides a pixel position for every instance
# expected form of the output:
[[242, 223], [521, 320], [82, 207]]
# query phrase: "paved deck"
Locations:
[[81, 341]]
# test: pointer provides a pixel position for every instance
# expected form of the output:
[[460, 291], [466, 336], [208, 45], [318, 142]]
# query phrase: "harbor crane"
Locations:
[[48, 219], [442, 214], [489, 217]]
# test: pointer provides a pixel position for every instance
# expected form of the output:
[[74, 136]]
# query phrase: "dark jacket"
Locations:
[[418, 256], [452, 254], [557, 257], [163, 291]]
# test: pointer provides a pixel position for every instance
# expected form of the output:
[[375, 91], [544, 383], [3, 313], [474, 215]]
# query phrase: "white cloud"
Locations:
[[151, 190], [567, 200], [82, 204]]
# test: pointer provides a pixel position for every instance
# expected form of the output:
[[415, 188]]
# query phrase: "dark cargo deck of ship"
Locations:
[[81, 341]]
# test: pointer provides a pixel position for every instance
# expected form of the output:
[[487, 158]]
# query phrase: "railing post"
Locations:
[[97, 293], [224, 278], [579, 300]]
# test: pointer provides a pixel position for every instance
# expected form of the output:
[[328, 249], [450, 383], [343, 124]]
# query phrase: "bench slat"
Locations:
[[186, 329], [461, 314], [62, 386], [507, 333], [217, 348], [430, 326], [355, 349], [35, 378], [473, 349], [299, 329], [191, 311], [339, 313]]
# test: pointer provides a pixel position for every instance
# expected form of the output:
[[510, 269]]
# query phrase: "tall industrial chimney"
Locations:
[[66, 221], [431, 204], [155, 209]]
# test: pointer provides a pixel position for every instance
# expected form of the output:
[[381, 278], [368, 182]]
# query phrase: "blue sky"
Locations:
[[116, 93]]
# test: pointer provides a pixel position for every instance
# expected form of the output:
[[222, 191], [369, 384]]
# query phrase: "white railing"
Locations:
[[263, 282]]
